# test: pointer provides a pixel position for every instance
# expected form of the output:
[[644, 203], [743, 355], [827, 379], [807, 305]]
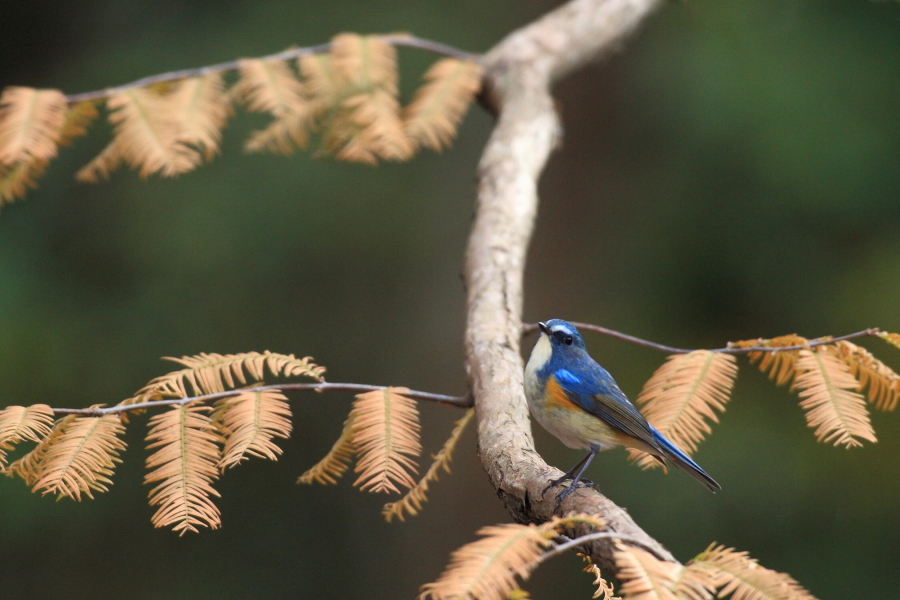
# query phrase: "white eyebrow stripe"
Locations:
[[563, 328]]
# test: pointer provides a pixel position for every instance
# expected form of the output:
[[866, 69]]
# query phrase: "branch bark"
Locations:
[[520, 71]]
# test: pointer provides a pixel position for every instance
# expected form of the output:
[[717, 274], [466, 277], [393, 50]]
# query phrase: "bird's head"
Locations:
[[562, 335], [559, 343]]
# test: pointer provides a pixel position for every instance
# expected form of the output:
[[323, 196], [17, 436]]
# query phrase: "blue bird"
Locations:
[[578, 401]]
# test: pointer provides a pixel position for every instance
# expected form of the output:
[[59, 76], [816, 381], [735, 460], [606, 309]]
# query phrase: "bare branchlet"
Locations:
[[346, 92]]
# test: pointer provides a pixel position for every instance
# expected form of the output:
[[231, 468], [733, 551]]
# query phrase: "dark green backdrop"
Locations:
[[732, 174]]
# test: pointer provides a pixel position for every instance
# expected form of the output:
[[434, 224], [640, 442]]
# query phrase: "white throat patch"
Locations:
[[541, 354]]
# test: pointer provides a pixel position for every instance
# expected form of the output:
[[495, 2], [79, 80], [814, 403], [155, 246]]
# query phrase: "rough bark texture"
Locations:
[[520, 72]]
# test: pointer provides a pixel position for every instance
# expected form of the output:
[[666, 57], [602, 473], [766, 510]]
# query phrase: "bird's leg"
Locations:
[[577, 482], [568, 474]]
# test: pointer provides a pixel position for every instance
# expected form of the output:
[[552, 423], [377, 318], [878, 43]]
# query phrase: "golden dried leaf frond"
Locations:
[[16, 179], [186, 465], [336, 462], [518, 594], [81, 458], [101, 166], [23, 423], [78, 118], [250, 422], [366, 124], [682, 394], [891, 338], [487, 569], [369, 128], [201, 107], [412, 502], [882, 383], [30, 124], [320, 82], [735, 573], [438, 107], [28, 467], [270, 86], [605, 590], [148, 136], [694, 585], [833, 406], [364, 61], [281, 136], [386, 435], [212, 373], [645, 577], [780, 366]]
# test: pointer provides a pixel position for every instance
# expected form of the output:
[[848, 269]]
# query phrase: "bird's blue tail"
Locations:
[[681, 460]]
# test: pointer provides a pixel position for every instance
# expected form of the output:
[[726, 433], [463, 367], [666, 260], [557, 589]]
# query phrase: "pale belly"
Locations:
[[575, 428]]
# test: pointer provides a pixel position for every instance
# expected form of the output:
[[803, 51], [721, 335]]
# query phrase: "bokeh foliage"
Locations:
[[731, 174]]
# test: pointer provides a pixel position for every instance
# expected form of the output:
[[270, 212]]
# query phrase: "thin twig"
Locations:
[[394, 39], [460, 401], [602, 535], [823, 341]]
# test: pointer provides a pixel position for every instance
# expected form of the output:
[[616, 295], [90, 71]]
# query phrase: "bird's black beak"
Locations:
[[543, 328]]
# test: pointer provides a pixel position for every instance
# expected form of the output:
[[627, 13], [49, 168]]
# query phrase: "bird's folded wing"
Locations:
[[606, 401]]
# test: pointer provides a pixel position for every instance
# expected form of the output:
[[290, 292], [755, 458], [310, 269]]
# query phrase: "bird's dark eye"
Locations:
[[568, 340]]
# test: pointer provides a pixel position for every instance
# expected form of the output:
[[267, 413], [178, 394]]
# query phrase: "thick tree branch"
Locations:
[[519, 73]]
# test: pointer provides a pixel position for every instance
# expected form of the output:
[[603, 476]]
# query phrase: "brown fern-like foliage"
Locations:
[[201, 108], [780, 366], [28, 466], [386, 436], [882, 383], [186, 465], [212, 373], [366, 125], [412, 502], [23, 423], [433, 116], [17, 179], [270, 86], [349, 96], [78, 119], [320, 82], [891, 338], [31, 122], [682, 394], [149, 136], [735, 573], [833, 406], [80, 458], [715, 572], [643, 576], [102, 165], [487, 569], [249, 422], [605, 590], [336, 462]]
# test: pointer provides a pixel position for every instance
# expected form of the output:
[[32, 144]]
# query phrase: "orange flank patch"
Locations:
[[556, 397]]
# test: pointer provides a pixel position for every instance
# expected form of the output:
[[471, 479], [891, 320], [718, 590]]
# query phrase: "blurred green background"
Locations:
[[732, 174]]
